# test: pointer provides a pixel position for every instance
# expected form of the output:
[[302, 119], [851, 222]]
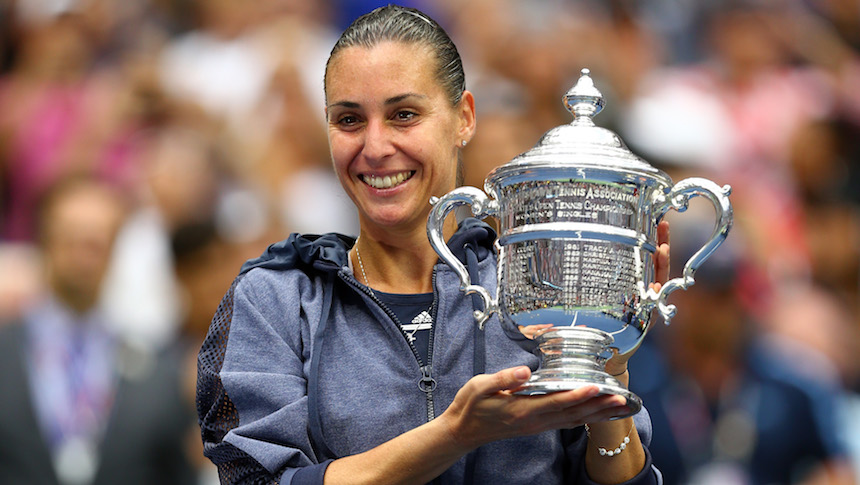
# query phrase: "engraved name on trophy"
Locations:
[[578, 217]]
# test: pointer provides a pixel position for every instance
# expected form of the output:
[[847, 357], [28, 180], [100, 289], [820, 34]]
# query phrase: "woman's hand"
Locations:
[[617, 365], [661, 258], [486, 409], [532, 331]]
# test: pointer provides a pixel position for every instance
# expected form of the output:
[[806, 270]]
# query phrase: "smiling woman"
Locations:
[[313, 372], [395, 137]]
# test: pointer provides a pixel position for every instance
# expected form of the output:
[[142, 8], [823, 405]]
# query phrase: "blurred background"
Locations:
[[204, 120]]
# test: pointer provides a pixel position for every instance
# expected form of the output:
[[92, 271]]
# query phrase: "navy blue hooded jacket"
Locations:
[[302, 365]]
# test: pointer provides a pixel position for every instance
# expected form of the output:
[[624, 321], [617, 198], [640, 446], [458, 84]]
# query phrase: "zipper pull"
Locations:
[[427, 383]]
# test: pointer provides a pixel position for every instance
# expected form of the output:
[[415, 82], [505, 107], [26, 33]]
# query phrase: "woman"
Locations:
[[307, 374]]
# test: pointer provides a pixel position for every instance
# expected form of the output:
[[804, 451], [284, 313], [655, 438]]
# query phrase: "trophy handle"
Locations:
[[482, 207], [678, 198]]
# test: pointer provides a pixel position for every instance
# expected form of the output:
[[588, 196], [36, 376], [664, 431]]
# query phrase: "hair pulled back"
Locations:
[[394, 23]]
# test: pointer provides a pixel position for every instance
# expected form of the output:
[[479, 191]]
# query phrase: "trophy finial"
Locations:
[[584, 100]]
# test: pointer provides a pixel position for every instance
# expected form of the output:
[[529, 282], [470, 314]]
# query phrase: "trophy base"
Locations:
[[574, 357]]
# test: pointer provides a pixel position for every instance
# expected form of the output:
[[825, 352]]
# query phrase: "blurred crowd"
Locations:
[[202, 122]]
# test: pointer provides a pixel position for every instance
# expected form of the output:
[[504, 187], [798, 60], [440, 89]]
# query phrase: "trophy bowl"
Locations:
[[578, 217]]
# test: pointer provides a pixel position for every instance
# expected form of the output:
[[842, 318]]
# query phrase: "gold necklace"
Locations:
[[361, 267], [422, 318]]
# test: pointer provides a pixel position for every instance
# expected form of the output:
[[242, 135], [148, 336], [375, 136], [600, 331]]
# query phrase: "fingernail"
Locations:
[[521, 373]]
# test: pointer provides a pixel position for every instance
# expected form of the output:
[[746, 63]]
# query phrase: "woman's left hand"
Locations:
[[532, 331], [618, 364]]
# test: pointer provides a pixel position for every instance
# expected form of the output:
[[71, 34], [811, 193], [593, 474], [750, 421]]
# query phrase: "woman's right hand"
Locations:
[[486, 409]]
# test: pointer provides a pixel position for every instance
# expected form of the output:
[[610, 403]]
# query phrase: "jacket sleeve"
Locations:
[[251, 391], [649, 475]]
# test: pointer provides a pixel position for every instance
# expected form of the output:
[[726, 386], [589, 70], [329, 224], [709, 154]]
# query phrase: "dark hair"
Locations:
[[409, 26]]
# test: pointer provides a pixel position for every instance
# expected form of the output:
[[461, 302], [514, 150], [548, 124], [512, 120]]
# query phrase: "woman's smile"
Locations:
[[386, 181]]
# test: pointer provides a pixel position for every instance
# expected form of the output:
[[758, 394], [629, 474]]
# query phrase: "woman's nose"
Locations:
[[377, 141]]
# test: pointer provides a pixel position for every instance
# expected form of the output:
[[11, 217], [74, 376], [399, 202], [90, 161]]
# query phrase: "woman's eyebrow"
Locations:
[[399, 98], [389, 101], [345, 104]]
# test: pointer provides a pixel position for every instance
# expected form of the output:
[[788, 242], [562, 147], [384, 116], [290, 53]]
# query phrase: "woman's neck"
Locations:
[[396, 262]]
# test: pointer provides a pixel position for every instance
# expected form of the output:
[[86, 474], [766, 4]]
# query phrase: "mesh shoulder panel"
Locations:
[[216, 413]]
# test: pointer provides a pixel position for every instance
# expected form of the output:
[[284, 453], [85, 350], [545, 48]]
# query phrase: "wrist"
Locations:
[[458, 439], [619, 373], [612, 451], [617, 365]]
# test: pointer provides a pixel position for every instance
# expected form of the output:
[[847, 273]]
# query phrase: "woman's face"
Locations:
[[393, 133]]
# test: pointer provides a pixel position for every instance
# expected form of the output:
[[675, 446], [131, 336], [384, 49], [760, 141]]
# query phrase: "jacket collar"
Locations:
[[329, 252]]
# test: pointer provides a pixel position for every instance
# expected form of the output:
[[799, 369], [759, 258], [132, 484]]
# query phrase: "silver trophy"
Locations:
[[578, 217]]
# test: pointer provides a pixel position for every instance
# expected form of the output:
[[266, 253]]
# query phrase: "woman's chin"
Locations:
[[398, 215]]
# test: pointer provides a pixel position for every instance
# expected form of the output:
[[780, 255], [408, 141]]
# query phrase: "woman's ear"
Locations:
[[468, 120]]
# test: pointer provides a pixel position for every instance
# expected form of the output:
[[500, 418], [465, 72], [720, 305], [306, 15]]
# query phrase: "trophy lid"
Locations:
[[580, 144]]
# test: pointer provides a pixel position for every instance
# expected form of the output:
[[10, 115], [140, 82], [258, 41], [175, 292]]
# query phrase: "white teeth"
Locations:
[[387, 181]]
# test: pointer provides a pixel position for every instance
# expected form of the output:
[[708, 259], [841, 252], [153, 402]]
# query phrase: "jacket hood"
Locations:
[[328, 252]]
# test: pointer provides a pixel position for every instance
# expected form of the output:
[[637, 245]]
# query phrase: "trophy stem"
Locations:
[[574, 357]]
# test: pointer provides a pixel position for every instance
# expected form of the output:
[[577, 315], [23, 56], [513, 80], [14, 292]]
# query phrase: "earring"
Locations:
[[464, 143]]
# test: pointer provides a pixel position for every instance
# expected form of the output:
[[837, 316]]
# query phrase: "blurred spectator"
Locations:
[[521, 51], [821, 164], [291, 162], [504, 135], [54, 112], [816, 333], [180, 186], [730, 406], [205, 264], [86, 407], [825, 173], [832, 238], [825, 351], [256, 71], [735, 115], [218, 65], [633, 50]]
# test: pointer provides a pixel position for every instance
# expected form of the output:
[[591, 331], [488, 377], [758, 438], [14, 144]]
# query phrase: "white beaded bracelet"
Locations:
[[616, 451]]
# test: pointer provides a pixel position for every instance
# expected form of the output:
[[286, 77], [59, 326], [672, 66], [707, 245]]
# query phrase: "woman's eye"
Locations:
[[404, 116], [347, 120]]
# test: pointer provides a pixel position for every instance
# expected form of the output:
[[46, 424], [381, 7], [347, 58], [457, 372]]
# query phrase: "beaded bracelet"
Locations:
[[616, 451]]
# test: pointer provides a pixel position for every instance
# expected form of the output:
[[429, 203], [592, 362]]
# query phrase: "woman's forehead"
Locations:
[[388, 63]]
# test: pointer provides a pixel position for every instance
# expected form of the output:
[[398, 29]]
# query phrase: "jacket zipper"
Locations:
[[427, 384]]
